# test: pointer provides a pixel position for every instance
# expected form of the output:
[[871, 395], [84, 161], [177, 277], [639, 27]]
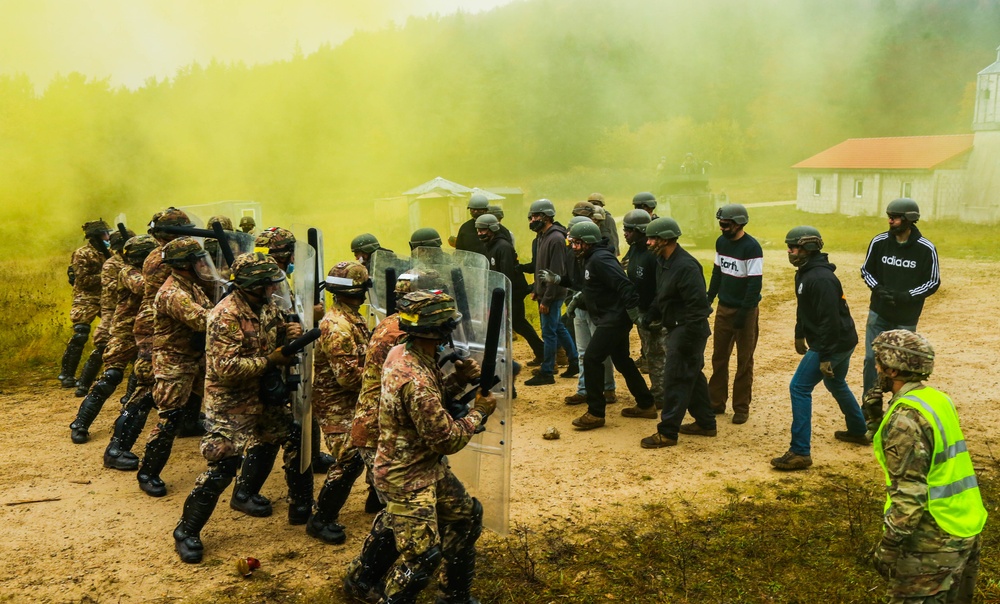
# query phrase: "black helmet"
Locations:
[[806, 237], [663, 227], [644, 200], [425, 237], [735, 212], [905, 207]]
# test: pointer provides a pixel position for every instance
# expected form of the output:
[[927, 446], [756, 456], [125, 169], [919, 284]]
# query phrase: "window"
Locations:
[[817, 186], [859, 188], [906, 190]]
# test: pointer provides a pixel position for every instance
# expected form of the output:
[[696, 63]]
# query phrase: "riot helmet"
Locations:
[[425, 237], [137, 248], [735, 212], [348, 278], [428, 314], [904, 207], [644, 200], [663, 227]]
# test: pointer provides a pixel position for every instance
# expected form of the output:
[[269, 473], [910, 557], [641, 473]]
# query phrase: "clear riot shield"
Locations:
[[304, 287], [232, 209], [483, 465]]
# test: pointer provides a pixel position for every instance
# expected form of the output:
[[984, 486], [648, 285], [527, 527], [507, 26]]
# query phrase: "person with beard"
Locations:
[[467, 238], [825, 337], [613, 304], [901, 269], [736, 280]]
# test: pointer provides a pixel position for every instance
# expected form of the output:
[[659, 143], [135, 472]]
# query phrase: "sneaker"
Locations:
[[647, 413], [694, 429], [847, 437], [540, 379], [740, 418], [610, 397], [535, 362], [576, 399], [572, 371], [588, 421], [657, 441], [792, 461]]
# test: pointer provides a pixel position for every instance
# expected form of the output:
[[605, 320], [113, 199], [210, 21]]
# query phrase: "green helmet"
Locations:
[[117, 241], [577, 220], [349, 278], [805, 237], [278, 242], [733, 211], [636, 219], [227, 224], [906, 351], [644, 200], [247, 224], [488, 221], [428, 314], [663, 227], [587, 232], [542, 206], [905, 207], [95, 228], [255, 269], [597, 199], [598, 215], [478, 201], [496, 211], [425, 237], [137, 248], [366, 243], [182, 251], [583, 208]]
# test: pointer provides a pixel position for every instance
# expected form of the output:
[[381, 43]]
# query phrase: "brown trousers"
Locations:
[[745, 341]]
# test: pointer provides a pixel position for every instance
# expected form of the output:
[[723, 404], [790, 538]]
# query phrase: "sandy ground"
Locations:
[[103, 540]]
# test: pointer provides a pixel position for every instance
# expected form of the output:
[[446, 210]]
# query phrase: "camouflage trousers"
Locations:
[[143, 367], [172, 391], [656, 360], [368, 456], [230, 434], [343, 450], [425, 518], [119, 353], [935, 577], [84, 309], [102, 333]]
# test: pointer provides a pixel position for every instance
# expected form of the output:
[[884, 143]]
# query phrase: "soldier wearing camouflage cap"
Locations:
[[84, 274], [278, 243], [246, 331], [825, 337], [248, 224], [609, 228], [466, 238], [433, 517], [934, 511], [339, 357]]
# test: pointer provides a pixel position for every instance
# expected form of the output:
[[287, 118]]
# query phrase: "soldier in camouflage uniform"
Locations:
[[109, 278], [181, 307], [338, 362], [428, 510], [247, 224], [934, 512], [212, 244], [245, 332], [117, 355], [120, 353], [84, 274]]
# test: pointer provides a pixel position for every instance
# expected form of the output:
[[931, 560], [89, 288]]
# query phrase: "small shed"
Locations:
[[860, 176], [442, 204]]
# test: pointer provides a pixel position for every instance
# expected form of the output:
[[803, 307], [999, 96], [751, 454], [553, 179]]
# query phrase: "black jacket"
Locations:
[[822, 316], [909, 270], [468, 239], [606, 289], [680, 292], [503, 259], [550, 253], [641, 272]]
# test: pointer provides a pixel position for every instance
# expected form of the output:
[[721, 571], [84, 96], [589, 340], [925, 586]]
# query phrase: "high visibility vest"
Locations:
[[953, 497]]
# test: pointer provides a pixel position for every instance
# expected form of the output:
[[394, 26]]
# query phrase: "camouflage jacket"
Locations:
[[364, 430], [415, 431], [129, 289], [154, 273], [339, 357], [109, 287], [179, 322], [85, 266], [237, 344], [908, 442]]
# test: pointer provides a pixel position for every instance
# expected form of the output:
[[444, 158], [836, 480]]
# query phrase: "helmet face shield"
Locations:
[[279, 294], [204, 268]]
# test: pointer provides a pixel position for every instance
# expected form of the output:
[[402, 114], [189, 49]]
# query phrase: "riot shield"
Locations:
[[233, 209], [304, 287], [483, 465]]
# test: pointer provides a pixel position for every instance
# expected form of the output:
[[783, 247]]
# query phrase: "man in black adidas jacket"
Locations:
[[902, 270]]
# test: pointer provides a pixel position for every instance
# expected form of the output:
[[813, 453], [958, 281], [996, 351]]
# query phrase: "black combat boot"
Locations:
[[157, 454], [300, 492], [321, 462], [129, 388], [323, 523], [460, 565], [417, 575], [128, 427], [256, 468], [91, 405], [366, 575], [198, 508], [191, 423], [71, 358], [89, 371]]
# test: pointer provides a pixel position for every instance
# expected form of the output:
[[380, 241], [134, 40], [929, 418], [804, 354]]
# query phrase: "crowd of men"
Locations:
[[212, 356]]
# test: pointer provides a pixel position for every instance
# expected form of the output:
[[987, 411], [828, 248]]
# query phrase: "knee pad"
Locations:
[[170, 422], [354, 466], [109, 381], [221, 473], [477, 522], [81, 331], [421, 569]]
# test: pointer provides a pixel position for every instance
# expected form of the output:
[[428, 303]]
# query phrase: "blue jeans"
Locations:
[[876, 325], [585, 327], [554, 335], [801, 387]]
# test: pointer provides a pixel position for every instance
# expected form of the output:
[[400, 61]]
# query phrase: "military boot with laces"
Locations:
[[791, 461]]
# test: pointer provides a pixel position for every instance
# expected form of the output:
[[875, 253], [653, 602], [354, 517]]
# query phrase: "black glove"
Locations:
[[901, 297], [634, 315], [883, 294], [71, 274], [740, 318], [686, 340]]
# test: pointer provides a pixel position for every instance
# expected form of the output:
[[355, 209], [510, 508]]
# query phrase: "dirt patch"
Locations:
[[104, 540]]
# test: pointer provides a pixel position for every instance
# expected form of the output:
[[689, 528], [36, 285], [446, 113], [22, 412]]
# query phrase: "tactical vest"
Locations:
[[953, 491]]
